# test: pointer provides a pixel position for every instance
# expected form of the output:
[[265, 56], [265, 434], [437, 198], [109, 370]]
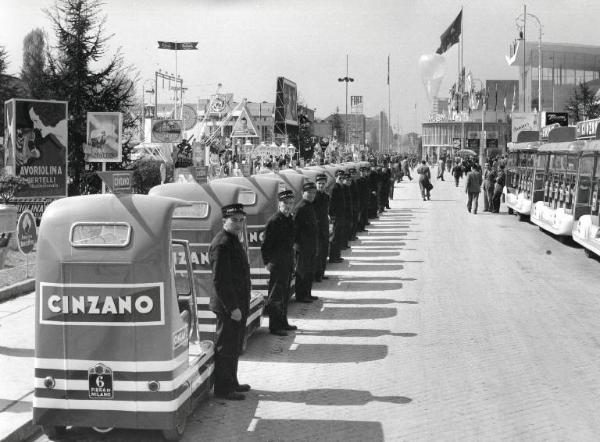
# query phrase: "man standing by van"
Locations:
[[231, 302]]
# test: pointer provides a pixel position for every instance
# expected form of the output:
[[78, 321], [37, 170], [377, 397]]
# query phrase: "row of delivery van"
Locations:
[[123, 335], [554, 181]]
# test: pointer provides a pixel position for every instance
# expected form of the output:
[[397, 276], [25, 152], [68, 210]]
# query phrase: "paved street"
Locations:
[[439, 326]]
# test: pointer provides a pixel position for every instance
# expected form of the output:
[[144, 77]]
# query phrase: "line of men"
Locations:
[[297, 242]]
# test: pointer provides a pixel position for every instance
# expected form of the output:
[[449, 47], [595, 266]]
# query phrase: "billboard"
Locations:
[[36, 141], [356, 104], [103, 141], [523, 121], [286, 102]]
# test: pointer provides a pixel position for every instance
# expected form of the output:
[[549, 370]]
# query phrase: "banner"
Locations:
[[36, 145], [104, 132], [523, 121], [451, 36], [286, 110], [178, 46]]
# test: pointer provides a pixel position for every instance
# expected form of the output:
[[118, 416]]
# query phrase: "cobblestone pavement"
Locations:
[[440, 325]]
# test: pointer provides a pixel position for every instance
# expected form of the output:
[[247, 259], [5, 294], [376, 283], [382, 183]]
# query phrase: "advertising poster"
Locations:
[[36, 146], [104, 131], [286, 109], [523, 121], [166, 131]]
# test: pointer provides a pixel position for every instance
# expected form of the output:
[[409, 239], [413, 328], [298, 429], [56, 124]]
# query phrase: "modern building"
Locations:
[[563, 67], [355, 123]]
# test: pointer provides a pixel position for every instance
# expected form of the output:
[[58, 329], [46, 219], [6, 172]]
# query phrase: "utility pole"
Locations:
[[346, 80]]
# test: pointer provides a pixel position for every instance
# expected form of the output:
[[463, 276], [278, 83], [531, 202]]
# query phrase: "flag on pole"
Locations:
[[496, 99], [388, 77], [512, 108], [451, 35], [504, 102]]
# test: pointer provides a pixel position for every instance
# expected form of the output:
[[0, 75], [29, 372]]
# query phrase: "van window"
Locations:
[[100, 234], [196, 210], [247, 197]]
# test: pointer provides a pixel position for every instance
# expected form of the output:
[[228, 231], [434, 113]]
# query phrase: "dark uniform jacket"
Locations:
[[321, 206], [231, 274], [278, 244], [355, 196], [337, 201], [306, 230], [348, 206], [363, 191]]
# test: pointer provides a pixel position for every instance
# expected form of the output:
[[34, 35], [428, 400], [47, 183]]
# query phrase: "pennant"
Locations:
[[512, 109], [504, 102], [451, 36], [496, 99]]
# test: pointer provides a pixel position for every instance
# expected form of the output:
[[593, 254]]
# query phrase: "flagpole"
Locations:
[[389, 109]]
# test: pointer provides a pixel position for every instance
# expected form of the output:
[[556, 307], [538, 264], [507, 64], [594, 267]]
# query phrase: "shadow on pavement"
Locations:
[[312, 429], [17, 352], [354, 333], [313, 311], [371, 267], [265, 349], [363, 301], [16, 406], [329, 396]]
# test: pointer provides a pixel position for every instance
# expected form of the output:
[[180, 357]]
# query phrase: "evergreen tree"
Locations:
[[34, 63], [583, 105], [81, 43]]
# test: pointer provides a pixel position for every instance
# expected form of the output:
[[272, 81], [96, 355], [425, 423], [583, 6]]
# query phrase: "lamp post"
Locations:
[[346, 79], [522, 18]]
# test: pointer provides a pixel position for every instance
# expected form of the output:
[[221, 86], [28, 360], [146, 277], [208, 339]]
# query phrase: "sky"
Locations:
[[246, 44]]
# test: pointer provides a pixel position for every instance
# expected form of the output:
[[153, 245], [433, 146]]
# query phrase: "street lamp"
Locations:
[[521, 22], [144, 92], [346, 80]]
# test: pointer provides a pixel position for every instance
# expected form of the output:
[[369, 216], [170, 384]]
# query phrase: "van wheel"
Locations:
[[176, 433], [52, 432], [103, 430], [510, 211], [522, 217], [588, 253]]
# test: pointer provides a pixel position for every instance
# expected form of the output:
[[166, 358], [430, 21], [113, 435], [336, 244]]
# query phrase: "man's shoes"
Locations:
[[279, 332], [304, 300], [474, 213], [242, 388], [313, 298], [325, 277], [354, 239], [290, 327], [336, 260], [469, 210], [231, 396]]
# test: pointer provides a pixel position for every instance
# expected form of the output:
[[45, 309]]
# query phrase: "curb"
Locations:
[[24, 432], [17, 289]]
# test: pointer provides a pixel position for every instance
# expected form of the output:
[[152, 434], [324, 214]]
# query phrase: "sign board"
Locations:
[[244, 126], [26, 232], [166, 131], [473, 143], [103, 141], [586, 129], [492, 142], [522, 121], [356, 104], [36, 145], [118, 181], [178, 46], [201, 174], [560, 118], [34, 205]]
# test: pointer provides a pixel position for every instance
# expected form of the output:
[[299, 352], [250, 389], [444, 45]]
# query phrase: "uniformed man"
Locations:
[[355, 196], [306, 243], [336, 213], [348, 212], [374, 190], [363, 188], [231, 303], [278, 255], [321, 205]]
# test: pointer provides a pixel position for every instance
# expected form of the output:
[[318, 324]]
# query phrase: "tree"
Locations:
[[10, 87], [81, 43], [9, 185], [34, 63], [583, 105]]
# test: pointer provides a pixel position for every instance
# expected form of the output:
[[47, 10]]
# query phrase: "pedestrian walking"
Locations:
[[457, 172], [440, 172], [425, 180], [498, 189], [306, 243], [406, 168], [321, 205], [472, 188], [488, 187], [277, 252], [231, 303]]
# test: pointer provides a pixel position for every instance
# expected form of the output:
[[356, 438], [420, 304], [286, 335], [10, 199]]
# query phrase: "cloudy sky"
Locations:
[[246, 44]]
